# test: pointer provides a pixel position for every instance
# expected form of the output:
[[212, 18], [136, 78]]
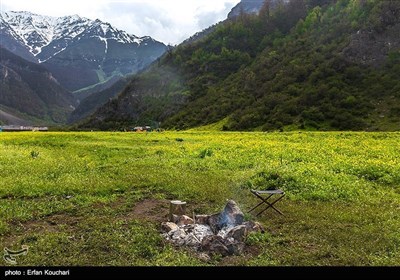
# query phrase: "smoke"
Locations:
[[231, 216]]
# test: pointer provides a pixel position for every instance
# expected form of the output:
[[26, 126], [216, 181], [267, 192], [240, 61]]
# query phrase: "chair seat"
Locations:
[[268, 192]]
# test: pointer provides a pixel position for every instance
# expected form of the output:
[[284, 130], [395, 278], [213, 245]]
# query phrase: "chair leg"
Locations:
[[256, 206], [262, 202], [271, 205]]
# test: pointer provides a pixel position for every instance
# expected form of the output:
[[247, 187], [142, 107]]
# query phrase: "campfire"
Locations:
[[222, 233]]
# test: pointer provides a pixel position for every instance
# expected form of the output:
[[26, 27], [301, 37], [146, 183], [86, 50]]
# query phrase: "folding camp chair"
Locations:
[[269, 194]]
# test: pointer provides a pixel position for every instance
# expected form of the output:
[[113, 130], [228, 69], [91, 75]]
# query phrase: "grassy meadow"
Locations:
[[98, 198]]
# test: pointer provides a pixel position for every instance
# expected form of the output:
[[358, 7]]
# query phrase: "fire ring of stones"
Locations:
[[222, 233]]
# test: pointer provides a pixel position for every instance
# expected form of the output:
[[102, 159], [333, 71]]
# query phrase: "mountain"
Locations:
[[10, 40], [254, 6], [246, 6], [310, 64], [29, 93], [79, 52]]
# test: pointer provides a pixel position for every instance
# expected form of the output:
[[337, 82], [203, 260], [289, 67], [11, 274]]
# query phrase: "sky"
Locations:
[[169, 21]]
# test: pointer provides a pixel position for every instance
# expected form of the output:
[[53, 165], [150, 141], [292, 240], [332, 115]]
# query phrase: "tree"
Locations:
[[320, 3], [265, 11]]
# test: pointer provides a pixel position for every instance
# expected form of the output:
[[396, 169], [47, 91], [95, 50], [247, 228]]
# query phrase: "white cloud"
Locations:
[[170, 21]]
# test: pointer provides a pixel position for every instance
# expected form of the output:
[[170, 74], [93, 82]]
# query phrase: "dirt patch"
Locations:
[[152, 210], [63, 219], [45, 225], [148, 210]]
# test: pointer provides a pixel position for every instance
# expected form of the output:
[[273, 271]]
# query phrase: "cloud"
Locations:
[[170, 21], [207, 17]]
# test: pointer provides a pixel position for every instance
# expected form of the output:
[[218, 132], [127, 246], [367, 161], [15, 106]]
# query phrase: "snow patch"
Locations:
[[138, 40], [63, 49], [105, 42], [104, 28]]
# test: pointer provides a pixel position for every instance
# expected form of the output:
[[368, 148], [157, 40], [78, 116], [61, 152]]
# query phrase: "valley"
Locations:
[[271, 65]]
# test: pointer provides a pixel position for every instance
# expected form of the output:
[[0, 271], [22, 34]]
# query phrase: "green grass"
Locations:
[[99, 198], [102, 80]]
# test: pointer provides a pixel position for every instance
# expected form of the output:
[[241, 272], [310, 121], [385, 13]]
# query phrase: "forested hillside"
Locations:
[[29, 92], [307, 64]]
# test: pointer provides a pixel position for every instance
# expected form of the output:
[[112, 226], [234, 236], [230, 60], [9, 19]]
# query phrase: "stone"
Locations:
[[224, 231], [231, 216], [166, 236], [168, 226], [181, 242], [175, 218], [235, 248], [188, 228], [184, 220], [178, 234], [238, 233], [215, 245], [204, 257], [254, 227], [202, 219], [213, 222]]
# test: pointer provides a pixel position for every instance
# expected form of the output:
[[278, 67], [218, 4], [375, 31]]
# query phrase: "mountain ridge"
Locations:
[[30, 89], [296, 67], [25, 24], [91, 50]]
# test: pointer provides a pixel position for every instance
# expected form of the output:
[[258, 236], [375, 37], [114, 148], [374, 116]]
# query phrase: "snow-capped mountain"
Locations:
[[91, 48], [46, 36]]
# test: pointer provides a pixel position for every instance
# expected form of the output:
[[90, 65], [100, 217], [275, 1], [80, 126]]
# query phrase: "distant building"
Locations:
[[142, 129], [16, 128]]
